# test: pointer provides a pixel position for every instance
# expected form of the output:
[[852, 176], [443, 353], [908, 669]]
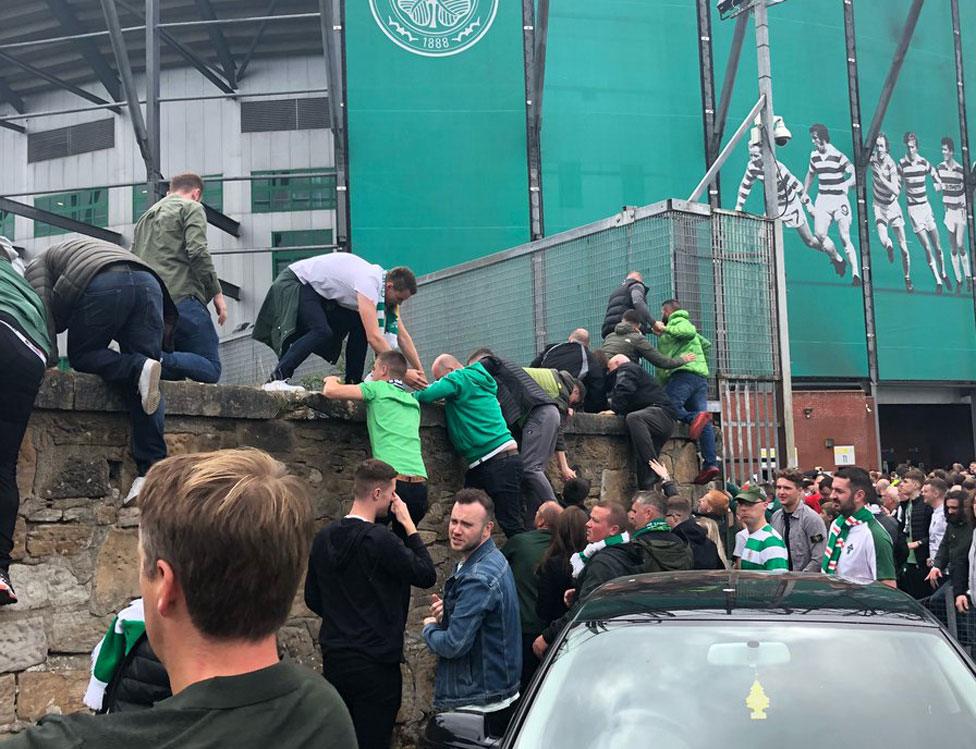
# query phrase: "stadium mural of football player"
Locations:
[[915, 171], [835, 176], [791, 198], [887, 210], [953, 179]]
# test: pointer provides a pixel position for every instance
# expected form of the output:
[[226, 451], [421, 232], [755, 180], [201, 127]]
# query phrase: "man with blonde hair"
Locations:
[[223, 541]]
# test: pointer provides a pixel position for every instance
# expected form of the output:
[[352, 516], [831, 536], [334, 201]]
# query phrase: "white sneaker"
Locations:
[[149, 385], [280, 386], [134, 491]]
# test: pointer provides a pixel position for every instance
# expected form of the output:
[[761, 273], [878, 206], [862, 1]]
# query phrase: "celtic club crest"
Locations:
[[434, 28]]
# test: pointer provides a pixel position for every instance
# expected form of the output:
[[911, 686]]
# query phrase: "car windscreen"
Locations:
[[751, 684]]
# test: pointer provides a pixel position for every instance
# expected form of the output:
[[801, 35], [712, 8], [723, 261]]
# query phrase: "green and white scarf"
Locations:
[[658, 525], [126, 629], [838, 536], [579, 559], [387, 319]]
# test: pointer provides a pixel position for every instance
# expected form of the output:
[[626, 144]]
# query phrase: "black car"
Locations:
[[750, 660]]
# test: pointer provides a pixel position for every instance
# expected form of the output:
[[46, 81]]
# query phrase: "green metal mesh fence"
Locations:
[[719, 265]]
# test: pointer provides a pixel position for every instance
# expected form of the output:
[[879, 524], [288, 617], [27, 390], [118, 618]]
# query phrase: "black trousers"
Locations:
[[372, 693], [912, 581], [21, 372], [501, 479], [649, 429], [530, 663]]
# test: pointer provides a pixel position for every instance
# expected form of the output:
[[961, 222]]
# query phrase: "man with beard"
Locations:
[[951, 558], [858, 548]]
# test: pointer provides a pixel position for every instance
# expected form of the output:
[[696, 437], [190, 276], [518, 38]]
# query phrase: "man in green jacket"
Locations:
[[477, 430], [628, 340], [687, 386], [24, 349], [171, 237]]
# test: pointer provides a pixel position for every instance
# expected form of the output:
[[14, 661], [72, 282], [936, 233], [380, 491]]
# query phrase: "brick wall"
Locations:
[[844, 416]]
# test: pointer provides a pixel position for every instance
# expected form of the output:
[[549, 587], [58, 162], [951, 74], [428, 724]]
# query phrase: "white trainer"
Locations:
[[280, 386], [134, 491], [149, 385]]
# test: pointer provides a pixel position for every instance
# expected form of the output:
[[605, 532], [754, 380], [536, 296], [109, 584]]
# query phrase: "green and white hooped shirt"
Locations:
[[762, 550]]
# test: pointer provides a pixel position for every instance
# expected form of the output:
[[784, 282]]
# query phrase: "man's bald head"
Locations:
[[445, 364], [580, 335], [616, 361], [636, 276], [547, 515]]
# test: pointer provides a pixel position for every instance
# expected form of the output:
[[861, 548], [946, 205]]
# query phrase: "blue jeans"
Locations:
[[689, 396], [125, 306], [322, 326], [195, 340]]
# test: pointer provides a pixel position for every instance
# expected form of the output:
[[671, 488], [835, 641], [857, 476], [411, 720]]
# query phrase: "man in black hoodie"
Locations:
[[359, 578], [704, 552], [650, 415]]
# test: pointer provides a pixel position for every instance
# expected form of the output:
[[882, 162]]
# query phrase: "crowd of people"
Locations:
[[224, 537]]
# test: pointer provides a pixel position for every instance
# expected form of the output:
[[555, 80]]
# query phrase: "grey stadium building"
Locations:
[[242, 100]]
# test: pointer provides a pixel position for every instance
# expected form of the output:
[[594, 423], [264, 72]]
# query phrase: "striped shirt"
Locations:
[[913, 174], [953, 184], [885, 169], [789, 187], [762, 550], [833, 169]]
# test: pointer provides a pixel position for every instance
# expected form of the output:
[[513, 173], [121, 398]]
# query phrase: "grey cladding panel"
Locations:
[[69, 141], [284, 114]]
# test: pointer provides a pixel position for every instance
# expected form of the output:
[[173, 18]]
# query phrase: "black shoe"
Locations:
[[7, 593]]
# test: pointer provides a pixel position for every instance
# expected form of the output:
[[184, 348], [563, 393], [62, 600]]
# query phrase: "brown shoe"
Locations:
[[698, 424], [707, 474]]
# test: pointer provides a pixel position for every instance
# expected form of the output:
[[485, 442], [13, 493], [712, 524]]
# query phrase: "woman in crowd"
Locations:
[[555, 573]]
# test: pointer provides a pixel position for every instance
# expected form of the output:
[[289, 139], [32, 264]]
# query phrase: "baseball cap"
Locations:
[[752, 495]]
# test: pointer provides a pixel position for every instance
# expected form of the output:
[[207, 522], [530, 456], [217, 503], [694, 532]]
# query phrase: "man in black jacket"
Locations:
[[952, 559], [914, 516], [359, 578], [532, 417], [650, 415], [631, 294], [703, 550], [574, 356]]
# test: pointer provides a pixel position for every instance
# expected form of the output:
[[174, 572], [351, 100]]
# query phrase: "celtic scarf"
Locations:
[[579, 559], [108, 655], [659, 525], [387, 319], [838, 535]]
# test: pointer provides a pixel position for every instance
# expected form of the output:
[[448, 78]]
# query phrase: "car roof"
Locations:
[[716, 595]]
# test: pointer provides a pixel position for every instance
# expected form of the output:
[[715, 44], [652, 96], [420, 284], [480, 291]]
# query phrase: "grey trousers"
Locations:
[[538, 446]]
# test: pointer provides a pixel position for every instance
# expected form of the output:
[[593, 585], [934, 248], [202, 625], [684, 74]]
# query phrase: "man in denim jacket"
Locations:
[[475, 630]]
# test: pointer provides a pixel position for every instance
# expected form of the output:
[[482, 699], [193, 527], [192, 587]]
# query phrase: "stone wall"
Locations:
[[75, 545]]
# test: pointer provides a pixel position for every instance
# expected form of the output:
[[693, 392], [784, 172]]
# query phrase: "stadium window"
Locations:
[[86, 206], [294, 192], [288, 247], [213, 195], [7, 224]]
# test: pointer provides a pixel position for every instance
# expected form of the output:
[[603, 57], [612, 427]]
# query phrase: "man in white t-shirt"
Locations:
[[858, 547], [316, 303], [933, 492]]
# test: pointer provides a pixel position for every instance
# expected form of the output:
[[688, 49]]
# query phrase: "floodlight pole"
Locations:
[[786, 439]]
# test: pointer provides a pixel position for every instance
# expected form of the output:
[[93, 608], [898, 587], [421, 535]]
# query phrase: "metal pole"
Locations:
[[231, 21], [152, 99], [964, 145], [334, 57], [532, 145], [541, 44], [862, 152], [128, 85], [767, 144], [893, 72], [787, 439], [707, 81], [728, 85], [724, 155]]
